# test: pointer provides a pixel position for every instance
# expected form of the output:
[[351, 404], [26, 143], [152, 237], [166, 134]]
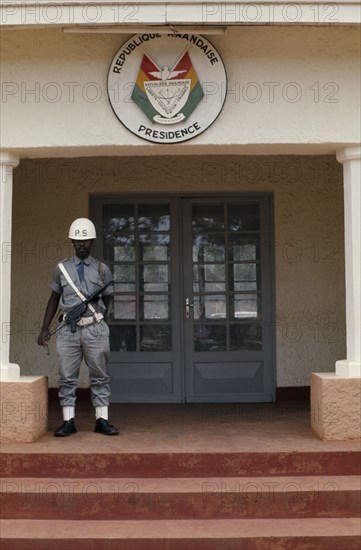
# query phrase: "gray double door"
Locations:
[[193, 308]]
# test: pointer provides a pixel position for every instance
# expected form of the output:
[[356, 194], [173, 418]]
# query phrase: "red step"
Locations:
[[180, 498], [192, 464], [304, 500], [220, 534]]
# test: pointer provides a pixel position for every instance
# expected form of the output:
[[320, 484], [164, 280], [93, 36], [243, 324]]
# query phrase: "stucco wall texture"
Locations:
[[286, 85], [309, 254]]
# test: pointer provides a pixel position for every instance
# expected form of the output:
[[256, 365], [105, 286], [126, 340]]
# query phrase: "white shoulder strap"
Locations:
[[73, 286], [71, 282]]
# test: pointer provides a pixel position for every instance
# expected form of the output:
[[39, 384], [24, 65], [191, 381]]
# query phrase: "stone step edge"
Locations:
[[182, 498], [180, 464], [272, 484], [180, 529]]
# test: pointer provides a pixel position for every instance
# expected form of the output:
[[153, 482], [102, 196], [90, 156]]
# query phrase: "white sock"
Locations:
[[68, 412], [101, 412]]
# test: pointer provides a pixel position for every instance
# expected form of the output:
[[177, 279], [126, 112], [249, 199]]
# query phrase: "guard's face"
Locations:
[[82, 248]]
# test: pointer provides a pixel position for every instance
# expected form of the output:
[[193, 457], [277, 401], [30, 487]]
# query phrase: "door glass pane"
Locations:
[[154, 247], [119, 248], [154, 278], [208, 217], [154, 217], [208, 248], [118, 217], [243, 217], [124, 307], [124, 278], [154, 306], [244, 286], [243, 250], [245, 305], [214, 272], [209, 337], [155, 338], [215, 306], [245, 336], [124, 254], [244, 272], [209, 277], [211, 306], [159, 253], [122, 338]]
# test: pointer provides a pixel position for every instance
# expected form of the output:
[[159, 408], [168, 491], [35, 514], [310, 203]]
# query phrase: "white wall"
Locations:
[[291, 89]]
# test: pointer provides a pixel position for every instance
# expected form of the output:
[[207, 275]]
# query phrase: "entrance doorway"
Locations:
[[193, 315]]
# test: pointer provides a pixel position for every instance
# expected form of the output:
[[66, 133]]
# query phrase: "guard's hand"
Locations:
[[43, 338]]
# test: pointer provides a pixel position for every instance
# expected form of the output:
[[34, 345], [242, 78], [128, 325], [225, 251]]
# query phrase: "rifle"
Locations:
[[74, 315]]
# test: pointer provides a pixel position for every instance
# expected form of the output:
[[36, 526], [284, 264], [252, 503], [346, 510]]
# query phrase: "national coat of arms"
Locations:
[[167, 88], [167, 96]]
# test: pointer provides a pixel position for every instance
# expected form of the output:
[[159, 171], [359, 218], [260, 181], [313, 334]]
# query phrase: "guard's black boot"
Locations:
[[103, 427], [66, 429]]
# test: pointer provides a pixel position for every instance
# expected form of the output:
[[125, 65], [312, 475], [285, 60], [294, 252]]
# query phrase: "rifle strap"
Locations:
[[75, 288], [101, 272]]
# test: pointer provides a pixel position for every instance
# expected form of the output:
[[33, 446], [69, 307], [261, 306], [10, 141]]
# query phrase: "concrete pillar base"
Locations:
[[335, 406], [24, 409], [348, 368], [9, 372]]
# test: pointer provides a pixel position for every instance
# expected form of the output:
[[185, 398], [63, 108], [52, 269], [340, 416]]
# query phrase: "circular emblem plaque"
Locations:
[[167, 88]]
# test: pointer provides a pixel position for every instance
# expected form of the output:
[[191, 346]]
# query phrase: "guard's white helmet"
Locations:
[[82, 229]]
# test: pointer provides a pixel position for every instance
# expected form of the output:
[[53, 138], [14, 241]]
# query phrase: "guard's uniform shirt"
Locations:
[[96, 275]]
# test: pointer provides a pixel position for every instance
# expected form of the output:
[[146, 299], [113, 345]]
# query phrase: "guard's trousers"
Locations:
[[90, 343]]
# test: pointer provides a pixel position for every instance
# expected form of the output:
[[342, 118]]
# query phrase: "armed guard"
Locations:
[[82, 287]]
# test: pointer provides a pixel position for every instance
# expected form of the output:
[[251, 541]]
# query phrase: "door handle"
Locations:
[[188, 306]]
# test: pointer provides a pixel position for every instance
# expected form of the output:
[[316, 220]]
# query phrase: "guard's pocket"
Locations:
[[66, 290], [95, 285]]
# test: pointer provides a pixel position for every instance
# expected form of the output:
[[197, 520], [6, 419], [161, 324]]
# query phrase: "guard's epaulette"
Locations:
[[62, 261]]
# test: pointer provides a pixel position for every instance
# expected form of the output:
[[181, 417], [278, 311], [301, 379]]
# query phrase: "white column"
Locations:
[[8, 161], [351, 160]]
